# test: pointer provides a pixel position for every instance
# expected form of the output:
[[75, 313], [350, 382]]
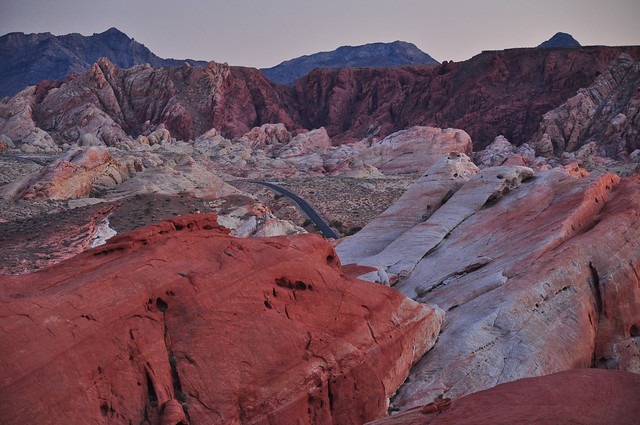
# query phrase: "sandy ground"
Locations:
[[40, 232], [347, 204]]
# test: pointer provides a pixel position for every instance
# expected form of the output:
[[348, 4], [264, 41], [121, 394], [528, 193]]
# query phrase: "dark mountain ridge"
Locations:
[[561, 39], [372, 55], [27, 59]]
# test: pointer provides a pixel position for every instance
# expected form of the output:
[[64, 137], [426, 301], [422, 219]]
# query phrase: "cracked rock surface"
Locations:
[[178, 322], [537, 275]]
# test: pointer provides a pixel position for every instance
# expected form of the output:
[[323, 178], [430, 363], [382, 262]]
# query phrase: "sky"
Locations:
[[265, 33]]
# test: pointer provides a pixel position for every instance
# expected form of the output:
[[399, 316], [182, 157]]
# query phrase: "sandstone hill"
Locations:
[[27, 59], [373, 55], [160, 333]]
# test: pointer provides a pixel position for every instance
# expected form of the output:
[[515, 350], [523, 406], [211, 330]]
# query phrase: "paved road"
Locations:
[[305, 207], [39, 159]]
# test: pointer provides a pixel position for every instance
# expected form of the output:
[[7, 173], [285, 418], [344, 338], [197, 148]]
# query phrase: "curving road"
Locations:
[[39, 159], [305, 207]]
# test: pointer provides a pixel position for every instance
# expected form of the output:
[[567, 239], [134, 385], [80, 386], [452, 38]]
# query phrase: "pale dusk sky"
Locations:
[[265, 33]]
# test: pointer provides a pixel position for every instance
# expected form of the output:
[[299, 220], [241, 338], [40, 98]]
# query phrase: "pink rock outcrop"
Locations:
[[539, 276], [115, 104], [178, 322], [70, 176], [414, 150], [579, 396], [501, 152], [605, 112]]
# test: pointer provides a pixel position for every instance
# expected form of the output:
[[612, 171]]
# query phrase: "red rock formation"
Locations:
[[502, 92], [494, 93], [179, 322], [580, 396], [247, 99], [111, 103], [606, 113]]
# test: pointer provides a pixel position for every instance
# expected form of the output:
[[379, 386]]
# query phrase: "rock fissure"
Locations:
[[197, 398], [152, 396], [597, 290], [373, 335]]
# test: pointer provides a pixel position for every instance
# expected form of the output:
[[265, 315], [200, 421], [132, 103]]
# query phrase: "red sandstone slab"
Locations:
[[181, 315]]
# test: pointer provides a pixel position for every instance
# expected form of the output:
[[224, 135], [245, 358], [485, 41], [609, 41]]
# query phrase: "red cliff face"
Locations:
[[494, 93], [178, 322], [503, 92], [111, 102], [605, 113]]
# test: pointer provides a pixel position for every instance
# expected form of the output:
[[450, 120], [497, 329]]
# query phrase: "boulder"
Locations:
[[414, 150], [70, 176], [188, 178], [363, 171], [257, 220], [266, 135], [28, 148], [160, 135], [501, 152], [89, 139], [179, 320], [6, 140]]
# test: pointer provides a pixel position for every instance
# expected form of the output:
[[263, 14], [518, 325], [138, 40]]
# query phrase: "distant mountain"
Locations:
[[27, 59], [561, 39], [374, 55]]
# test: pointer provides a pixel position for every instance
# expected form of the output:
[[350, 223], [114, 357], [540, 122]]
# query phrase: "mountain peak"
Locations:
[[28, 59], [114, 31], [560, 39], [372, 55]]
